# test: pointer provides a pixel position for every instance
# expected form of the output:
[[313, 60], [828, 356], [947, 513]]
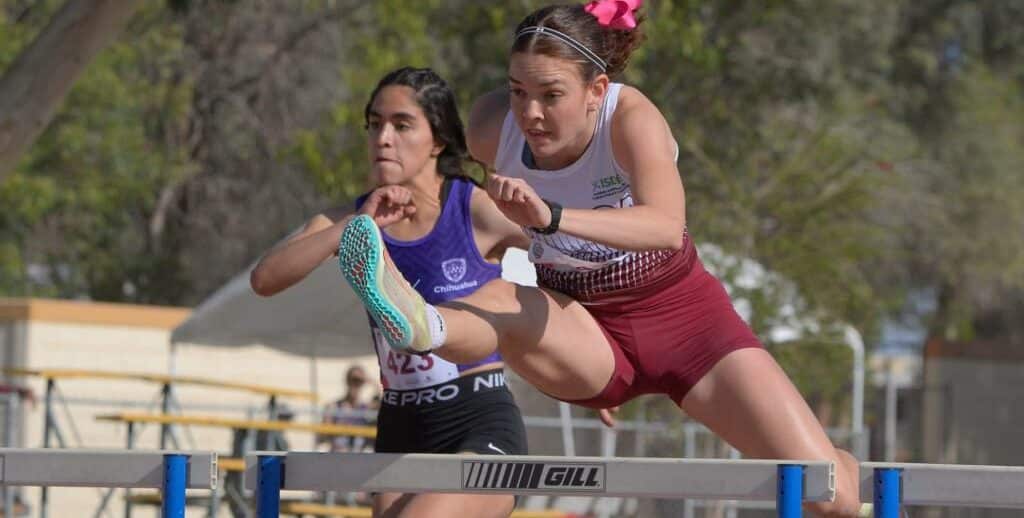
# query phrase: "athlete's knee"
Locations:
[[389, 505], [432, 505], [839, 508], [497, 293], [847, 502], [517, 312], [501, 507], [492, 302]]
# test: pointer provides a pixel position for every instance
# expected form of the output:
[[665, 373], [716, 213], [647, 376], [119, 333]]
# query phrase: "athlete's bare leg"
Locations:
[[549, 339], [556, 345], [749, 401], [440, 505]]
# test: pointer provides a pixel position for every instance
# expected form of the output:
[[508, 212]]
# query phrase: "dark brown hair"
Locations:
[[437, 100], [611, 45]]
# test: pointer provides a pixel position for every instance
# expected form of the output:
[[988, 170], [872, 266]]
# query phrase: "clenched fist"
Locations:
[[518, 201], [388, 205]]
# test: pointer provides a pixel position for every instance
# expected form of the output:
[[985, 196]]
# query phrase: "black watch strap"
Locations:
[[556, 218]]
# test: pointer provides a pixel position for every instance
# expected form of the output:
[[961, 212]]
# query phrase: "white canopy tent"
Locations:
[[319, 316]]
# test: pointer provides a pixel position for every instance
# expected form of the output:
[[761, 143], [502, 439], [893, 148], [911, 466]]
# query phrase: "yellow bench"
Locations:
[[157, 499], [241, 424], [52, 376], [230, 464], [163, 379]]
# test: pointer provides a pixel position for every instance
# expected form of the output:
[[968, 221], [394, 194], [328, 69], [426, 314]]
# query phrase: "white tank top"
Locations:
[[575, 266]]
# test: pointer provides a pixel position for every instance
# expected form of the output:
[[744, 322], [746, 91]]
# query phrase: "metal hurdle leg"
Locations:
[[127, 492], [215, 495], [130, 443], [888, 492], [268, 500], [175, 469], [165, 408], [49, 428], [11, 410], [189, 439], [790, 491], [272, 408]]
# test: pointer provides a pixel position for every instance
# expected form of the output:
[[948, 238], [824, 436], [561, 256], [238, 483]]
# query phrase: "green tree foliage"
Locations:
[[384, 35], [863, 151], [86, 206], [955, 215], [34, 85]]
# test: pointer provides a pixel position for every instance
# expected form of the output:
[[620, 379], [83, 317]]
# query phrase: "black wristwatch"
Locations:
[[556, 218]]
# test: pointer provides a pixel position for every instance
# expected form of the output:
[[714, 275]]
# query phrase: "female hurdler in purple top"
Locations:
[[449, 237], [445, 264]]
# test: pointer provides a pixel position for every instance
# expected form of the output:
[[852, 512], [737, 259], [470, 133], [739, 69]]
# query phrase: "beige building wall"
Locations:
[[972, 410], [46, 334]]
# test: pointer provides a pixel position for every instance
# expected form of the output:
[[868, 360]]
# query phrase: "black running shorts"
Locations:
[[472, 414]]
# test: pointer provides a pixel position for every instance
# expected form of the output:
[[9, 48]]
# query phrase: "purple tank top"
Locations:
[[445, 264]]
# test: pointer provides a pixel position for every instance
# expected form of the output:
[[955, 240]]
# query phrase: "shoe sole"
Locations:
[[361, 257]]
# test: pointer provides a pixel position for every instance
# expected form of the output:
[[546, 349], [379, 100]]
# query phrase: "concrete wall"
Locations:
[[39, 334], [971, 410]]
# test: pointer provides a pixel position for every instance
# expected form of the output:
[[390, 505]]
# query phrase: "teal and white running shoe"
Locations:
[[399, 311]]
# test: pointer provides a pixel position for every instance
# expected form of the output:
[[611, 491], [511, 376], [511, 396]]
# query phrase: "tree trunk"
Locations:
[[32, 88]]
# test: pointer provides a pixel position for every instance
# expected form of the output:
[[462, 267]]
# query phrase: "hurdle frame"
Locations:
[[789, 483], [172, 472], [892, 485]]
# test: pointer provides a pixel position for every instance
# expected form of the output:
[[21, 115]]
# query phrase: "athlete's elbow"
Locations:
[[672, 236], [673, 242], [261, 284], [661, 241]]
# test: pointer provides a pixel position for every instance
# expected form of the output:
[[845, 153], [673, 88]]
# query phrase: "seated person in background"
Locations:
[[350, 409]]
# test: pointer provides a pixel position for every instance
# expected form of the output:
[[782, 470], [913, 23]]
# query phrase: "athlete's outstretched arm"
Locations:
[[292, 260]]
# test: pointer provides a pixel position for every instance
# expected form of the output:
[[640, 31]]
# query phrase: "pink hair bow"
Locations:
[[615, 14]]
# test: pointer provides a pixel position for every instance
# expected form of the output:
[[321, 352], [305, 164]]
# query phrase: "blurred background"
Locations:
[[854, 173]]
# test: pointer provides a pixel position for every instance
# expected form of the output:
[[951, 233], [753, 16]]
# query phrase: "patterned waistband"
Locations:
[[638, 270], [448, 392]]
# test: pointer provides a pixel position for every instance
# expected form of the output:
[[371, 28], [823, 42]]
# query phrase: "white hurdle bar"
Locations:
[[789, 483], [892, 485], [170, 471]]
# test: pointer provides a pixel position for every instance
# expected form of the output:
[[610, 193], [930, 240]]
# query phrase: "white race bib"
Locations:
[[410, 371]]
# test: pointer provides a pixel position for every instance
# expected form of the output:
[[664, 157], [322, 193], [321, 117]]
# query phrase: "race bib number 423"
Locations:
[[411, 371], [408, 363]]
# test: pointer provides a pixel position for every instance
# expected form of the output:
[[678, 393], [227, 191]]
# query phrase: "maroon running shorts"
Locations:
[[667, 334]]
